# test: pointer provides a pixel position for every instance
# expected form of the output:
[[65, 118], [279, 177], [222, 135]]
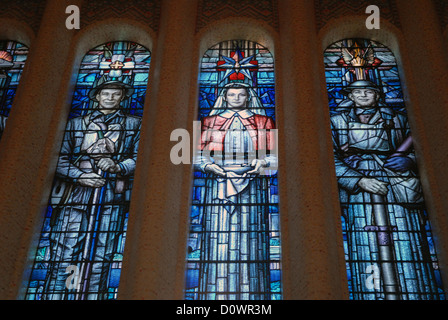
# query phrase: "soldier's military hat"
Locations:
[[111, 84], [361, 84]]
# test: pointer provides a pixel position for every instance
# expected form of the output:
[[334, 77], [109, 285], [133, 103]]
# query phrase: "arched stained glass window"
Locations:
[[234, 242], [79, 254], [387, 237], [13, 56]]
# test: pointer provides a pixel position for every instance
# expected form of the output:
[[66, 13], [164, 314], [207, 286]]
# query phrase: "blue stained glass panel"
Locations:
[[13, 56], [80, 250], [234, 243], [387, 236]]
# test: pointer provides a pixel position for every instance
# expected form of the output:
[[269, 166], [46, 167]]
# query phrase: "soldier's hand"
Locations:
[[108, 165], [92, 180], [373, 185], [214, 168]]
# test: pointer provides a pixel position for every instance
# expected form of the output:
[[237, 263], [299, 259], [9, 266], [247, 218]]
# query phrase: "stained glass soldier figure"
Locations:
[[97, 161], [382, 208]]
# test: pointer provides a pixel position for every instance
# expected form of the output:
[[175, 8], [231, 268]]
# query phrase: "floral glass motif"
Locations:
[[80, 251], [234, 241], [389, 249], [13, 56]]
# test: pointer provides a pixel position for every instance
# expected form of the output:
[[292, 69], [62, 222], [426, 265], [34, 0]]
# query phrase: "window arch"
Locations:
[[80, 249], [234, 241], [13, 56], [387, 236]]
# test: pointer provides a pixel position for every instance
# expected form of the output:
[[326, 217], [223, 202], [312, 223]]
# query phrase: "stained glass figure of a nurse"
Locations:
[[388, 240], [237, 155]]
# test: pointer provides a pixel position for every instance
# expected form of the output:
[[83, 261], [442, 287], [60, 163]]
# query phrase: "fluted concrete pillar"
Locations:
[[23, 152], [154, 257], [426, 85], [312, 257]]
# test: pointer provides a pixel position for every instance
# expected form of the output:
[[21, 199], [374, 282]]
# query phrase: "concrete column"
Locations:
[[312, 257], [155, 255], [426, 70], [24, 157]]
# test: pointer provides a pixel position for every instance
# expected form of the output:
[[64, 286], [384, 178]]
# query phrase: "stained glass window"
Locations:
[[13, 56], [387, 236], [80, 251], [234, 241]]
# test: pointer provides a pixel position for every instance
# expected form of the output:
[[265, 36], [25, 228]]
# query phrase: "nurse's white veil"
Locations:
[[253, 101]]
